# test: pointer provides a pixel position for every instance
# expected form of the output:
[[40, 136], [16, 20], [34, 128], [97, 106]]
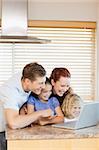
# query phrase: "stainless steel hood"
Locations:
[[14, 23]]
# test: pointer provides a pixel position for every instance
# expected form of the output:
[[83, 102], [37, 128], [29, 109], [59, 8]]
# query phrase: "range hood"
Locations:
[[14, 23]]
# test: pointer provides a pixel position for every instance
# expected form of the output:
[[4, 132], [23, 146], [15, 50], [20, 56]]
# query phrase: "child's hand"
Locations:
[[46, 120], [52, 117], [42, 121], [46, 113]]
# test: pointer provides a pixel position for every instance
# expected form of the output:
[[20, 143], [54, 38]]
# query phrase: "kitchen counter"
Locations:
[[51, 138], [49, 132]]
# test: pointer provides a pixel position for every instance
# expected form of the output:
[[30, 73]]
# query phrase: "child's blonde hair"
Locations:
[[69, 101]]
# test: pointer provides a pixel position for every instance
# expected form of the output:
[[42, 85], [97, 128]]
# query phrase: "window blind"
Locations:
[[73, 48]]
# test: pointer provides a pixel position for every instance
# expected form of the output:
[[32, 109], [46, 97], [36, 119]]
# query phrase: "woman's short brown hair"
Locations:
[[58, 72]]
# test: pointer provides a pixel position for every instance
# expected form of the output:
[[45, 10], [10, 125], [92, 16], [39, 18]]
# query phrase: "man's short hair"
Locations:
[[33, 70]]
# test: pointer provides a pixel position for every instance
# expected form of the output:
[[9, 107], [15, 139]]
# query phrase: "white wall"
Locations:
[[97, 47], [68, 12], [62, 11], [86, 11]]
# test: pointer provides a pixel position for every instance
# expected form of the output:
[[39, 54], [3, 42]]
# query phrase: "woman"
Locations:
[[60, 80]]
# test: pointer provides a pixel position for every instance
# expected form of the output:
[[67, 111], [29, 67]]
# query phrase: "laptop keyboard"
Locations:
[[70, 124]]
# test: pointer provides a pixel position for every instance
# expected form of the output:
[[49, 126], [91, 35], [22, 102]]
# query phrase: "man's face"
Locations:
[[37, 85], [61, 86]]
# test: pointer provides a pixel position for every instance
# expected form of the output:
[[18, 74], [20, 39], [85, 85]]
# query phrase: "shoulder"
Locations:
[[32, 97], [69, 91], [16, 78], [13, 84], [54, 101], [32, 100]]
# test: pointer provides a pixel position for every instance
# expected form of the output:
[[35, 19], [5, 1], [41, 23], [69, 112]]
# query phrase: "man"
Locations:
[[14, 93]]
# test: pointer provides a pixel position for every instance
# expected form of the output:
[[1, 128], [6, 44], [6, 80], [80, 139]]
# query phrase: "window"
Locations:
[[72, 47]]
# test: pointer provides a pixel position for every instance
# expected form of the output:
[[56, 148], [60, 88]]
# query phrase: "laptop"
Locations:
[[89, 116]]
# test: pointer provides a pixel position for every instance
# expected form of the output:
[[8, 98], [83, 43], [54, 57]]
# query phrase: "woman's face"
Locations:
[[61, 86]]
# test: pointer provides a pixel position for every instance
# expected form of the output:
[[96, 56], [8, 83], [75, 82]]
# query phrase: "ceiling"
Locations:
[[60, 1], [90, 1]]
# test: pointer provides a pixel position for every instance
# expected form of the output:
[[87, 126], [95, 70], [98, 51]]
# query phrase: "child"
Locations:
[[44, 102], [71, 106]]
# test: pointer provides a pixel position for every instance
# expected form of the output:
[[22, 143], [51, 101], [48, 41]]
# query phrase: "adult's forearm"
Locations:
[[16, 120], [21, 121]]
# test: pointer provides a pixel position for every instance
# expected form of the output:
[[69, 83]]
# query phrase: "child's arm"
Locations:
[[26, 109], [23, 109], [59, 117], [30, 109]]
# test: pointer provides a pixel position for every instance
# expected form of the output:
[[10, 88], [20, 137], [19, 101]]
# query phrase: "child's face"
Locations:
[[75, 110], [46, 92]]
